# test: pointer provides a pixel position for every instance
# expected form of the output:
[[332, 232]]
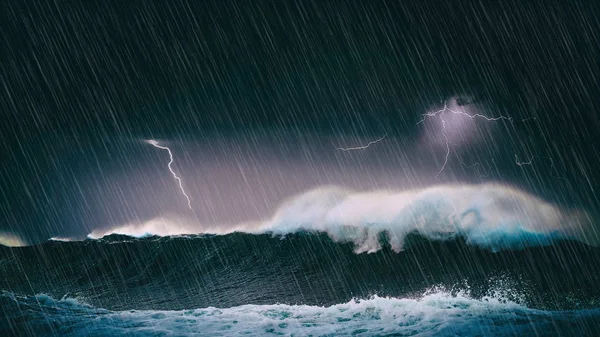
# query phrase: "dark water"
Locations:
[[175, 283]]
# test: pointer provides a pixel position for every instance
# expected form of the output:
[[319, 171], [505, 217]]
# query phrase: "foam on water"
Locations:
[[436, 313], [488, 215], [11, 240]]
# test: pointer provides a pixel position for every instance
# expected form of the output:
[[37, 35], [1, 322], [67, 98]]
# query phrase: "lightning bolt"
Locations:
[[523, 163], [156, 145], [441, 114], [477, 167], [363, 146], [530, 163]]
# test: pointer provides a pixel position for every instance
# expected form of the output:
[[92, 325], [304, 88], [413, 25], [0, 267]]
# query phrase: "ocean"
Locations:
[[299, 284]]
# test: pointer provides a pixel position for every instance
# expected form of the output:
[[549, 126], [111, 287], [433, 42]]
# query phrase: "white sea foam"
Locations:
[[11, 240], [61, 239], [437, 313], [490, 215]]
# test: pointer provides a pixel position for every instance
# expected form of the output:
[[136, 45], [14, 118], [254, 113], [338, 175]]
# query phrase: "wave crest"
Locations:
[[11, 240], [492, 216], [489, 215]]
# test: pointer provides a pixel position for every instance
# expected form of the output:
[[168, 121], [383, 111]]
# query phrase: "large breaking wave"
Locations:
[[298, 273], [490, 215]]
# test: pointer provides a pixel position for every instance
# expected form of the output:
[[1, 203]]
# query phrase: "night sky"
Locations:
[[254, 97]]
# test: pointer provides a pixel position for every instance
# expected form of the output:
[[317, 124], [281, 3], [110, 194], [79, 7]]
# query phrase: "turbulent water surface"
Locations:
[[303, 283]]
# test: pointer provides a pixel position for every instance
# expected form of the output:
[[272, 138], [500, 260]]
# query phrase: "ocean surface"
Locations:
[[298, 284]]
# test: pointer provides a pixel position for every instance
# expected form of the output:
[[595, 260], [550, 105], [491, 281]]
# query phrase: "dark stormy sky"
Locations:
[[253, 97]]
